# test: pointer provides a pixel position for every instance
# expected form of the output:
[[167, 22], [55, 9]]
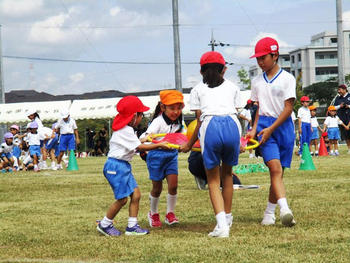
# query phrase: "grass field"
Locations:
[[50, 217]]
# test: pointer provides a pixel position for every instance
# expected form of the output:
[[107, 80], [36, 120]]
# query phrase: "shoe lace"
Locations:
[[171, 216], [155, 217]]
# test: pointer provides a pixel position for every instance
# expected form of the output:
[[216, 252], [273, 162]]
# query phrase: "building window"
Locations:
[[299, 57], [334, 40], [293, 72], [293, 59]]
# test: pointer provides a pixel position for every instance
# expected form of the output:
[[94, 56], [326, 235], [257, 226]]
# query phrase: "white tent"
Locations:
[[84, 109], [17, 112]]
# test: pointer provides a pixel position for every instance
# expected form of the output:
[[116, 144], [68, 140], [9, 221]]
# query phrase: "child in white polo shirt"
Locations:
[[69, 136], [215, 101], [331, 126], [304, 122], [274, 90], [117, 169], [315, 128]]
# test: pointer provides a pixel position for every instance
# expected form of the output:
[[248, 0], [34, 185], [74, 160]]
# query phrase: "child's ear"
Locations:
[[162, 107]]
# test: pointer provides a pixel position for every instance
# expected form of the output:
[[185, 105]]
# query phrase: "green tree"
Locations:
[[347, 80], [243, 78], [323, 92]]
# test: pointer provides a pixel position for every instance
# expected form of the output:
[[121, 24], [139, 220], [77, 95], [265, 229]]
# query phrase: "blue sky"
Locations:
[[141, 31]]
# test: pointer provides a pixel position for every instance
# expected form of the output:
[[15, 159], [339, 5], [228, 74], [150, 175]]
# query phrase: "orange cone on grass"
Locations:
[[322, 151]]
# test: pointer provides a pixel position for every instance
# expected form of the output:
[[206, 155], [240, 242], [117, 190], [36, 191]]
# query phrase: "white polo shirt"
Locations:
[[314, 122], [246, 113], [163, 124], [221, 100], [271, 94], [332, 122], [33, 138], [304, 114], [66, 127], [6, 148], [123, 144]]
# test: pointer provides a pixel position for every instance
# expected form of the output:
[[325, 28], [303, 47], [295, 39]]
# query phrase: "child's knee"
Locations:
[[136, 196], [172, 189], [122, 201]]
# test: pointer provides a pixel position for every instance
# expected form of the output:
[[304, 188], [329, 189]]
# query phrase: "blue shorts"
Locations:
[[16, 151], [7, 155], [161, 163], [34, 150], [305, 135], [67, 142], [314, 134], [281, 142], [333, 133], [220, 140], [119, 176], [53, 144]]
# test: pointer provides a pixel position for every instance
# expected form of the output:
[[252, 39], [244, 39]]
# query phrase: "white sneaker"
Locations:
[[220, 232], [268, 220], [59, 167], [287, 217]]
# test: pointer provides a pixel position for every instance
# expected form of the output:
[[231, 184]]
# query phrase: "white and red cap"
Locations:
[[265, 46]]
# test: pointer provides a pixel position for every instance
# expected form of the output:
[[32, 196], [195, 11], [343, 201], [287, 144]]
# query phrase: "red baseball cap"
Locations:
[[127, 107], [249, 101], [304, 98], [265, 46], [212, 57]]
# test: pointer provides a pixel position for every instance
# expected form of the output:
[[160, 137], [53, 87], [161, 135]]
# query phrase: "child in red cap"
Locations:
[[214, 101], [275, 92], [163, 164], [304, 123], [117, 169]]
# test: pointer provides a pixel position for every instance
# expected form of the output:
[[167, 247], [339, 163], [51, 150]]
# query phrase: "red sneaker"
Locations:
[[154, 220], [170, 219]]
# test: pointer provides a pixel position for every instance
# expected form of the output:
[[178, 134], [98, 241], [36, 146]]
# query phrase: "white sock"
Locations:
[[229, 219], [270, 208], [171, 203], [336, 151], [316, 152], [221, 219], [282, 202], [154, 201], [53, 164], [332, 151], [106, 222], [132, 221]]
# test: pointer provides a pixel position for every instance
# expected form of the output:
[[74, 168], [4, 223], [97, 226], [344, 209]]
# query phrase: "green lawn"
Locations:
[[50, 217]]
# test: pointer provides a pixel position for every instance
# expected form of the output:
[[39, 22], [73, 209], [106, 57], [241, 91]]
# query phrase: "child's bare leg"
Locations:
[[134, 202], [277, 189], [172, 183], [213, 176], [227, 187], [115, 208]]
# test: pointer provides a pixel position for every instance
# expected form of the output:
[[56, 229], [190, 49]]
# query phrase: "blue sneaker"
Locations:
[[108, 231], [136, 230]]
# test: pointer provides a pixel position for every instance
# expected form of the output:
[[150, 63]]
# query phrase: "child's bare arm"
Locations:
[[148, 147]]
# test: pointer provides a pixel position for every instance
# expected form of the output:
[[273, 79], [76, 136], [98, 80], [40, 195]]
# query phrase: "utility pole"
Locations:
[[212, 41], [2, 92], [341, 78], [177, 59]]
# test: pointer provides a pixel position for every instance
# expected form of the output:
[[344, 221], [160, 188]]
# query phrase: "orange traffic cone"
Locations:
[[323, 149]]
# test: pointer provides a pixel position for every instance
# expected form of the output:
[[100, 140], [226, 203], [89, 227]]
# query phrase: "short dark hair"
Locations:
[[343, 86], [212, 74]]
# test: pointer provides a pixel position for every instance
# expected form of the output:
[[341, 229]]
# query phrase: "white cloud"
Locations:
[[77, 77], [114, 11], [19, 7], [246, 52]]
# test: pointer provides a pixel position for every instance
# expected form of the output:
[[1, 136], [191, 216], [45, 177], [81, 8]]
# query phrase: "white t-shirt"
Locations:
[[159, 125], [33, 138], [123, 144], [39, 122], [6, 148], [246, 113], [221, 100], [314, 122], [44, 133], [66, 127], [332, 122], [304, 114], [271, 94]]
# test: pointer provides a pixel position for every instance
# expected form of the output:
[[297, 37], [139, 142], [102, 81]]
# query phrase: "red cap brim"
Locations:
[[260, 54], [121, 121]]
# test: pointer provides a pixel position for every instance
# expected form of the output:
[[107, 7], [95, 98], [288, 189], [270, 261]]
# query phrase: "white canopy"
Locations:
[[83, 109], [17, 112]]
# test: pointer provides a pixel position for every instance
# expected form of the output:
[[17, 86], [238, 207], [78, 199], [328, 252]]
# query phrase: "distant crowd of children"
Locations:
[[29, 150]]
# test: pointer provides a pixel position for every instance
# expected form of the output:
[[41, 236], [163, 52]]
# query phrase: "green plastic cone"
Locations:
[[72, 164], [306, 162]]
